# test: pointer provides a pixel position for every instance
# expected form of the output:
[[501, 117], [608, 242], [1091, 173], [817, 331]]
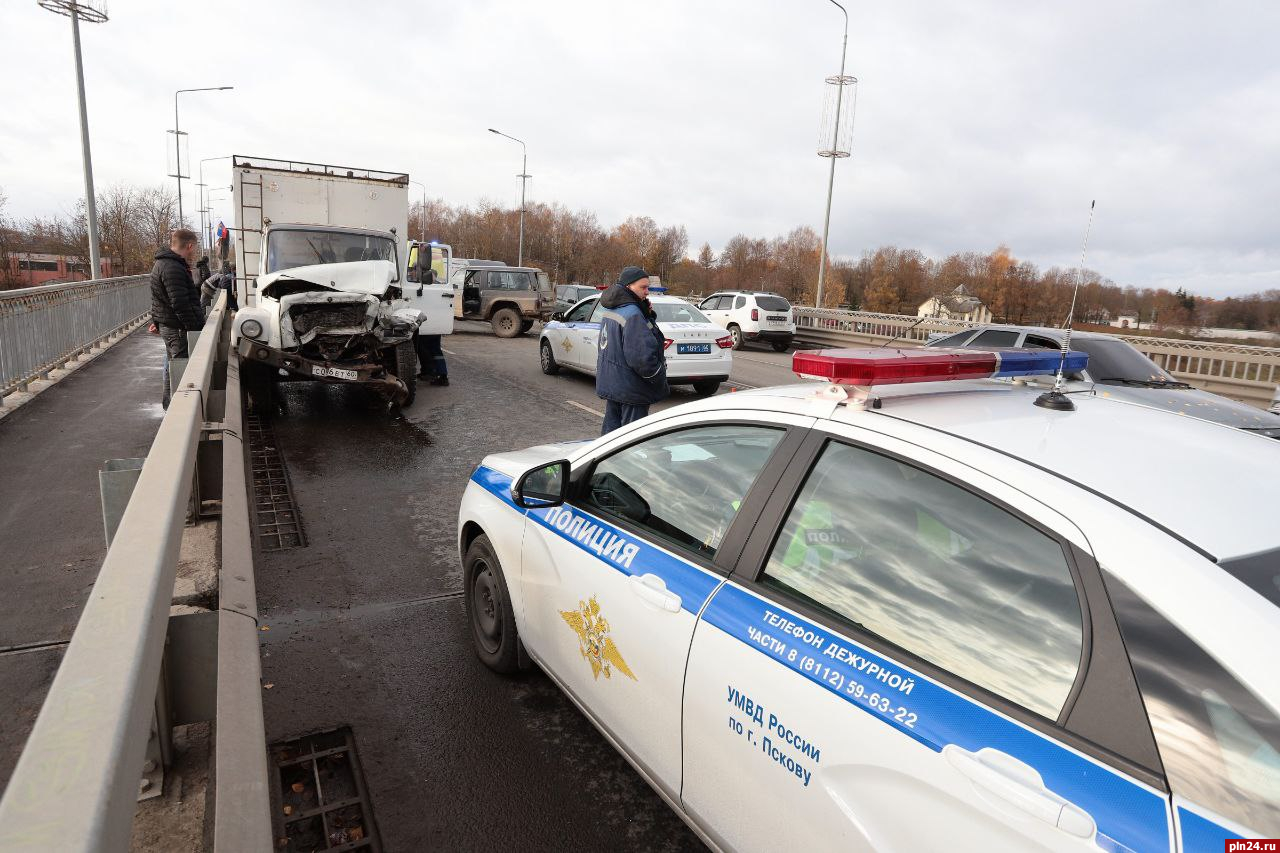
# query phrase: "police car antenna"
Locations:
[[1055, 399]]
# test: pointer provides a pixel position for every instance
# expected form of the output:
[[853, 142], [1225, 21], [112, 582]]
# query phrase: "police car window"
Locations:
[[936, 570], [1036, 342], [596, 310], [685, 487], [580, 311], [1219, 743], [995, 338]]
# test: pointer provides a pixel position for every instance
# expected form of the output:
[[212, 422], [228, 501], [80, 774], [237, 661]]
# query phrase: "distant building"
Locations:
[[32, 269], [1126, 320], [959, 304]]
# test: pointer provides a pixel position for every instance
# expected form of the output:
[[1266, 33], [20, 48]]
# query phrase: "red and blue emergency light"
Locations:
[[869, 367]]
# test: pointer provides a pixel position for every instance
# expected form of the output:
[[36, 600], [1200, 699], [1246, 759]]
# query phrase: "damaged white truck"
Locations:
[[321, 278]]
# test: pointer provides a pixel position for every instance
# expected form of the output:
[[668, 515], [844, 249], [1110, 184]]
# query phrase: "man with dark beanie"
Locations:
[[175, 299], [631, 367]]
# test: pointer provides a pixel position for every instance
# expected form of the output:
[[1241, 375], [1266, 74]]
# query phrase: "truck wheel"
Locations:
[[548, 355], [781, 346], [407, 370], [706, 387], [737, 336], [506, 322], [489, 611]]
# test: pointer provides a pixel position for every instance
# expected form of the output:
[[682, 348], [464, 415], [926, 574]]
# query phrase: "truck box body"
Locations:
[[281, 191]]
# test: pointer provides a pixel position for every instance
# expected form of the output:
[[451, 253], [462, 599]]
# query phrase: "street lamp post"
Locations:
[[423, 234], [177, 139], [77, 11], [204, 205], [835, 152], [523, 176]]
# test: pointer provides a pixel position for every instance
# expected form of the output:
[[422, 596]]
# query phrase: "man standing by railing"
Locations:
[[175, 300]]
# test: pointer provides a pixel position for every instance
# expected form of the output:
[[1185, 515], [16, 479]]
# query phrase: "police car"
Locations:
[[699, 353], [890, 612]]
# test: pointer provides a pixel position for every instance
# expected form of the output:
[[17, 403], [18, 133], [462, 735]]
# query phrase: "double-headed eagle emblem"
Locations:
[[594, 642]]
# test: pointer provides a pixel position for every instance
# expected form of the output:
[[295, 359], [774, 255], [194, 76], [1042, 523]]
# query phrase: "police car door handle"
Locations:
[[1001, 775], [653, 591]]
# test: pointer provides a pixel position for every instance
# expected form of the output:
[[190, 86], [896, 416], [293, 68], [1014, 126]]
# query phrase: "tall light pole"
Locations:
[[204, 204], [78, 11], [177, 139], [523, 176], [835, 152], [424, 209]]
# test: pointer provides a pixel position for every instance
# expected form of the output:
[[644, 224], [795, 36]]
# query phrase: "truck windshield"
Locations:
[[287, 249]]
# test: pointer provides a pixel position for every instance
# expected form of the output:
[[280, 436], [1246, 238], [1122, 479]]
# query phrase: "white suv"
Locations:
[[752, 316]]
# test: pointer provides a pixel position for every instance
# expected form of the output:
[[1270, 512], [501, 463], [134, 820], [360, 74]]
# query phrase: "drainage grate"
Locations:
[[324, 802], [279, 524]]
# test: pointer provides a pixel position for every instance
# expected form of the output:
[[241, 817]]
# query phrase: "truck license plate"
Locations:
[[335, 372], [693, 349]]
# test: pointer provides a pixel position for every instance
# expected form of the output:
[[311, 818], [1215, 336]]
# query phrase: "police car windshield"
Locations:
[[678, 312], [1259, 572], [1112, 361]]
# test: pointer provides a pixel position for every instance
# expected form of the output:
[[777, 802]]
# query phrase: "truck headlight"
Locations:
[[251, 329]]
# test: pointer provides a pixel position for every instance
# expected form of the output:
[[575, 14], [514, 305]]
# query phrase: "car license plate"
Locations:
[[774, 319], [335, 372], [693, 349]]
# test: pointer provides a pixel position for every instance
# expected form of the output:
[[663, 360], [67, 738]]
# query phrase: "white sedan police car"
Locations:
[[699, 353], [885, 616]]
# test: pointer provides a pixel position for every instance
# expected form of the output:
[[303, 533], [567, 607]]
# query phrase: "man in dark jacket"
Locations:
[[175, 301], [631, 366]]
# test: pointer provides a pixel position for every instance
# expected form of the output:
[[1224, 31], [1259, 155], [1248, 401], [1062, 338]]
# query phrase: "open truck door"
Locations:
[[428, 290]]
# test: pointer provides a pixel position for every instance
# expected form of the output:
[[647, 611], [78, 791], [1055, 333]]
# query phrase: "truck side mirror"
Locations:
[[543, 487]]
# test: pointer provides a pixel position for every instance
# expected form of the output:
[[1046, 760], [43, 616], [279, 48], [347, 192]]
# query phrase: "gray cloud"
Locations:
[[978, 124]]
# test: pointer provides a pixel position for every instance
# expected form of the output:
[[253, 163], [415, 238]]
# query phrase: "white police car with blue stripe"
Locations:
[[898, 613]]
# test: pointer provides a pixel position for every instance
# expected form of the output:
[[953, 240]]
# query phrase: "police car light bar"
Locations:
[[866, 368]]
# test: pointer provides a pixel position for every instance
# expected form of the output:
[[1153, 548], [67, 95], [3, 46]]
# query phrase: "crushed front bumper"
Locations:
[[369, 374]]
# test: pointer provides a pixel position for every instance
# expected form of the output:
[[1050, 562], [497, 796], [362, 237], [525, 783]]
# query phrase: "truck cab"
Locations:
[[324, 278]]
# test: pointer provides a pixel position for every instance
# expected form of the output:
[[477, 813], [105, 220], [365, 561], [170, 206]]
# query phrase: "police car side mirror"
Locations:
[[559, 315], [543, 487]]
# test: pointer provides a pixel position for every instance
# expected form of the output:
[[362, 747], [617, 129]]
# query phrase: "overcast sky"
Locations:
[[978, 123]]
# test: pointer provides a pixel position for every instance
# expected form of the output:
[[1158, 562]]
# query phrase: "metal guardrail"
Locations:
[[130, 662], [43, 328], [1246, 373]]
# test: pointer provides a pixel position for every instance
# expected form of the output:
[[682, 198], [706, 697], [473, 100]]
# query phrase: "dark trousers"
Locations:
[[430, 355], [175, 346], [620, 414]]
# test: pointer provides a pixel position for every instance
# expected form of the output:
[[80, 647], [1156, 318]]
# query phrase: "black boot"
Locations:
[[440, 380]]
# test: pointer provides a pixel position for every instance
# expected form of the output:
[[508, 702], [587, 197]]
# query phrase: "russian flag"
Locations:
[[222, 230]]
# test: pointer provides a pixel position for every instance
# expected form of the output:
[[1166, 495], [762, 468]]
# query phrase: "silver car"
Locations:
[[1118, 370]]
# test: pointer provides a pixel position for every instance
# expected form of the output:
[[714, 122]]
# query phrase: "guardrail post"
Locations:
[[116, 480]]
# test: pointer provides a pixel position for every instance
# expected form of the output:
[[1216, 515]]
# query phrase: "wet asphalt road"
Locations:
[[365, 626]]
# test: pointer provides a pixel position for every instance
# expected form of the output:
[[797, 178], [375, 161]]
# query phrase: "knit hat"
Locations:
[[630, 275]]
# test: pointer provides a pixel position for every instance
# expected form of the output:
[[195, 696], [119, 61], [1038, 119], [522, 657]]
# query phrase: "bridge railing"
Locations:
[[1246, 373], [43, 328], [133, 668]]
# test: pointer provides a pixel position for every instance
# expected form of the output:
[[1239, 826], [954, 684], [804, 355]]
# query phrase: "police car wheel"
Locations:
[[737, 336], [548, 357], [706, 387], [493, 622]]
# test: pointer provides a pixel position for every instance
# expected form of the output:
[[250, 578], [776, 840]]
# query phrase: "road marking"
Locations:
[[595, 412], [744, 385]]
